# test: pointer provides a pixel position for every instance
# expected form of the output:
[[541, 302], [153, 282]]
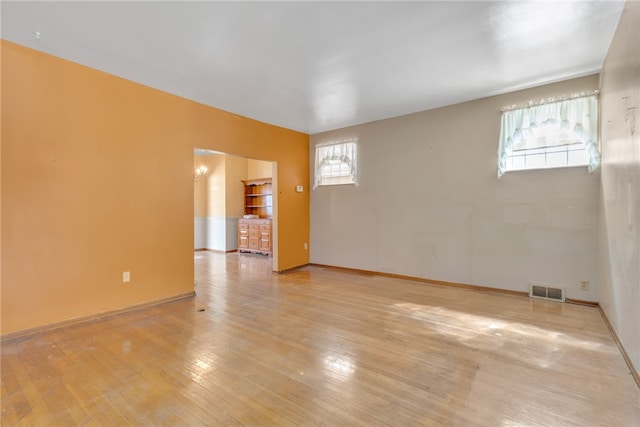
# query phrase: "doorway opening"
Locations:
[[219, 199]]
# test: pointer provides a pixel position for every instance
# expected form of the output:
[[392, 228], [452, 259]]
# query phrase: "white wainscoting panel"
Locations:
[[216, 233], [231, 234], [199, 232]]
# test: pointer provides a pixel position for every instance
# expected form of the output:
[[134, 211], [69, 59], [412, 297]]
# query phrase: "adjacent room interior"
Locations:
[[249, 237], [229, 190]]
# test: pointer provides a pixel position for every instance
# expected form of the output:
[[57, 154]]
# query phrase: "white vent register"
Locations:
[[546, 292]]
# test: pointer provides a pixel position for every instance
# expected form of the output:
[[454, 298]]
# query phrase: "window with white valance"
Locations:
[[336, 163], [549, 135]]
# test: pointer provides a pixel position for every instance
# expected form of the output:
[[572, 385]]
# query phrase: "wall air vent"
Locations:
[[546, 292]]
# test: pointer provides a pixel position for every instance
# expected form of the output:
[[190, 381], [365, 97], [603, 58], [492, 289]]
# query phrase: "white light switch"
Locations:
[[299, 189], [126, 277]]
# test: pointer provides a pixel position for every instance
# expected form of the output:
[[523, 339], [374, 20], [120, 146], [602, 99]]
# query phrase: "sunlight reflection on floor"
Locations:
[[473, 330]]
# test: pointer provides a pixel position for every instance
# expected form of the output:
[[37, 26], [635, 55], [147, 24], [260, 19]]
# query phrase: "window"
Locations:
[[336, 163], [550, 135]]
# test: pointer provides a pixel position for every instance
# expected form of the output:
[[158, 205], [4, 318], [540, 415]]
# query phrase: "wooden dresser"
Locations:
[[254, 234]]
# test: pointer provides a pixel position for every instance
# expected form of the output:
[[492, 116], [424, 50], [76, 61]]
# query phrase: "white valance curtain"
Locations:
[[579, 115], [335, 159]]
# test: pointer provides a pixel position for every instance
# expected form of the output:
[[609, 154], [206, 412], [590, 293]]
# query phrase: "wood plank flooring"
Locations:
[[319, 347]]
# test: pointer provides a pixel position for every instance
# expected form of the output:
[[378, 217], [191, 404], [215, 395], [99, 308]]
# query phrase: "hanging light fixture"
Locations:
[[201, 171]]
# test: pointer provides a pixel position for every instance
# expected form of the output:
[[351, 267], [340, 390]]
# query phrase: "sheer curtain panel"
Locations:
[[550, 126], [336, 163]]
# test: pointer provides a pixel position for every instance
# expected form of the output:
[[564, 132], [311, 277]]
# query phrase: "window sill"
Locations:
[[554, 168], [336, 185]]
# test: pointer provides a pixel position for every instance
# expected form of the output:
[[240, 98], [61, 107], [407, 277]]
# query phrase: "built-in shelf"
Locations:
[[258, 197], [254, 234]]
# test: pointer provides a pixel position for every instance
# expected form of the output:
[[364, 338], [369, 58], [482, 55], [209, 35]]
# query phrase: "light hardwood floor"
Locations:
[[323, 347]]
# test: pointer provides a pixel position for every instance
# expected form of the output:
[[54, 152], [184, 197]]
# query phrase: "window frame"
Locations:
[[345, 157], [576, 117]]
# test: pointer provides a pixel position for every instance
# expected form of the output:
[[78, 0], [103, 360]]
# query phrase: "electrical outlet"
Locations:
[[584, 285], [126, 277]]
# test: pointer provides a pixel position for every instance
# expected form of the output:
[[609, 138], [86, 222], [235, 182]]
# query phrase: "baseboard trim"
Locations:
[[218, 251], [292, 269], [423, 280], [581, 302], [83, 319], [625, 355]]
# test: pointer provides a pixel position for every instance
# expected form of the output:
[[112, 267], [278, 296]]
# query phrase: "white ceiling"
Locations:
[[316, 66]]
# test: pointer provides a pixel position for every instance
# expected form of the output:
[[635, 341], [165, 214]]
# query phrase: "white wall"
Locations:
[[619, 242], [430, 205], [216, 233], [200, 226]]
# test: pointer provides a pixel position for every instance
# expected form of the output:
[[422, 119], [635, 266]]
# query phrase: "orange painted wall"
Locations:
[[97, 179]]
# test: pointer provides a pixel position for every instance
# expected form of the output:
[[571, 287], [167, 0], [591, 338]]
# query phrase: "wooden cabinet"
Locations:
[[258, 197], [243, 235], [254, 233]]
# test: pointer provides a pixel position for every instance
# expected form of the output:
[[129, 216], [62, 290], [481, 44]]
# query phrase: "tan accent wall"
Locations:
[[199, 192], [215, 185], [219, 194], [236, 168], [258, 169], [201, 187], [97, 179]]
